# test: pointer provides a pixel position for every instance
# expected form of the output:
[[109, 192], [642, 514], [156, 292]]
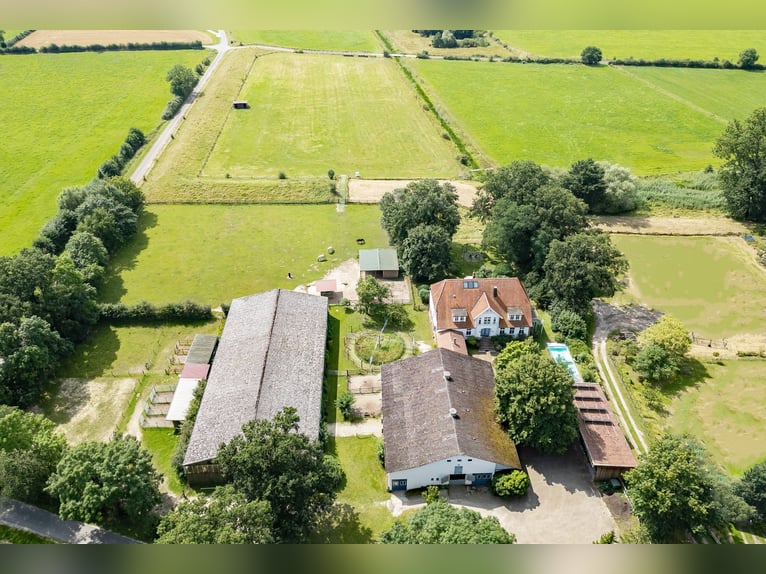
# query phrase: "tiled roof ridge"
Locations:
[[268, 349]]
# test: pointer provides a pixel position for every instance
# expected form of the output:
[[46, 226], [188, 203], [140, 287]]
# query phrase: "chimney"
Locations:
[[453, 412], [494, 291], [447, 376]]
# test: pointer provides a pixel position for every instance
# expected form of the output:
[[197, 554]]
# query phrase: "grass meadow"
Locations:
[[63, 115], [646, 44], [557, 114], [712, 284], [213, 253], [340, 40], [310, 113], [727, 411]]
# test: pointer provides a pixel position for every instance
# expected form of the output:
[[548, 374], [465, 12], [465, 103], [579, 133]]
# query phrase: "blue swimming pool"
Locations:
[[560, 353]]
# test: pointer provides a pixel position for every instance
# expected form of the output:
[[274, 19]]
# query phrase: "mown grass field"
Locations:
[[63, 115], [728, 94], [712, 284], [727, 411], [341, 40], [310, 113], [557, 114], [213, 253], [646, 44]]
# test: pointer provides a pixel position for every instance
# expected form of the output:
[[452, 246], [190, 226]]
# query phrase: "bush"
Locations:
[[345, 403], [568, 323], [282, 175], [381, 453], [172, 107], [145, 312], [514, 483], [591, 56], [472, 342], [424, 292]]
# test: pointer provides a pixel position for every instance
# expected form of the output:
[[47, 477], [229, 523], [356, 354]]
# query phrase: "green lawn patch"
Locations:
[[161, 442], [214, 253], [310, 113], [63, 115], [13, 536], [365, 487], [340, 40], [557, 114], [712, 284], [646, 44], [383, 348]]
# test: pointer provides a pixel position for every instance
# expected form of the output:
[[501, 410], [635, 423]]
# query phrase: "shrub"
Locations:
[[424, 292], [380, 451], [568, 323], [282, 175], [145, 312], [514, 483], [472, 342], [331, 173], [591, 55], [109, 168], [345, 403], [172, 107], [179, 452]]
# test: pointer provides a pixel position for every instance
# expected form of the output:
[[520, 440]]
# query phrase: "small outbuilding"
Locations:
[[240, 105], [326, 287], [380, 263]]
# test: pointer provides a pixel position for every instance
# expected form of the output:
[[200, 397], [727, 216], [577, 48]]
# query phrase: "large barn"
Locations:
[[439, 424], [271, 355]]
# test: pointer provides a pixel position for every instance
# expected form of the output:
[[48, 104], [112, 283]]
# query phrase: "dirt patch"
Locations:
[[631, 318], [40, 38], [362, 384], [346, 276], [369, 405], [670, 225], [91, 409], [371, 190]]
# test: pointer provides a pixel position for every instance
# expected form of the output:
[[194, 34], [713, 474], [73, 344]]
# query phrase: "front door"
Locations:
[[485, 332], [400, 484]]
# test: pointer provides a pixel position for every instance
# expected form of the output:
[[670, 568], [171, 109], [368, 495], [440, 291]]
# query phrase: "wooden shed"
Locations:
[[240, 105], [381, 263]]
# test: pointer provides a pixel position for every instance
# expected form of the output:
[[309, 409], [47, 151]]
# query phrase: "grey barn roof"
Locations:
[[417, 426], [271, 355], [201, 350], [378, 260]]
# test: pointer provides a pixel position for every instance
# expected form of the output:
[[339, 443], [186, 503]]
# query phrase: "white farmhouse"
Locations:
[[439, 423], [481, 307]]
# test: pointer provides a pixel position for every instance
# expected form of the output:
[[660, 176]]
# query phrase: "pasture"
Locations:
[[214, 253], [557, 114], [340, 40], [310, 113], [63, 115], [646, 44], [712, 284], [727, 411]]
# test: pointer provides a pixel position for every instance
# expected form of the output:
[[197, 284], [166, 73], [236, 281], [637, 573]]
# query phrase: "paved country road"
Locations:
[[167, 134], [22, 516]]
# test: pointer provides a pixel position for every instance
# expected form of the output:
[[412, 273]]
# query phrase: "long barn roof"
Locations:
[[271, 355]]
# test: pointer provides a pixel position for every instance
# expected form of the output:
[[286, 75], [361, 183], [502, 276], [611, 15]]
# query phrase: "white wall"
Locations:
[[438, 472]]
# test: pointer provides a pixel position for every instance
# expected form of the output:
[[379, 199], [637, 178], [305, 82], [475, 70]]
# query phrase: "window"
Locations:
[[514, 317], [470, 284], [468, 332], [470, 459]]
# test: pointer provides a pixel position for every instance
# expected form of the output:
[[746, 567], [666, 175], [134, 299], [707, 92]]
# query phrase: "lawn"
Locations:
[[214, 253], [727, 411], [557, 114], [365, 487], [310, 113], [62, 119], [646, 44], [161, 442], [712, 284], [341, 40]]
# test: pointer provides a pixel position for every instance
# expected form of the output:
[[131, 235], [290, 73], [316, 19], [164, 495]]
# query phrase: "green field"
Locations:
[[646, 44], [63, 115], [728, 94], [340, 40], [727, 411], [557, 114], [213, 253], [409, 42], [712, 284], [310, 113]]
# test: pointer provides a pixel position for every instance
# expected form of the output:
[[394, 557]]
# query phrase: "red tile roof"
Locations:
[[326, 285], [451, 293], [452, 340]]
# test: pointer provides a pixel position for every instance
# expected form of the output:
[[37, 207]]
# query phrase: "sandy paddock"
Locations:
[[40, 38], [371, 190]]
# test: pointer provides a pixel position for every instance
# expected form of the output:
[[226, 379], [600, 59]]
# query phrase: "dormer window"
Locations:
[[459, 315], [514, 314], [470, 284]]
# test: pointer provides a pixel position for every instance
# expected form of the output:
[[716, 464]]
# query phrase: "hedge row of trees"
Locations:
[[182, 81], [130, 46], [144, 312], [115, 164], [7, 44], [747, 61]]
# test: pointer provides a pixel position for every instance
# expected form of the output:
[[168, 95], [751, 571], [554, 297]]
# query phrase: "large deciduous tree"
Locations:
[[533, 398], [372, 295], [272, 461], [521, 233], [748, 58], [752, 488], [585, 179], [583, 266], [441, 523], [742, 146], [669, 333], [423, 202], [223, 517], [182, 80], [517, 181], [425, 254], [670, 489], [30, 449], [110, 483], [621, 193], [591, 55]]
